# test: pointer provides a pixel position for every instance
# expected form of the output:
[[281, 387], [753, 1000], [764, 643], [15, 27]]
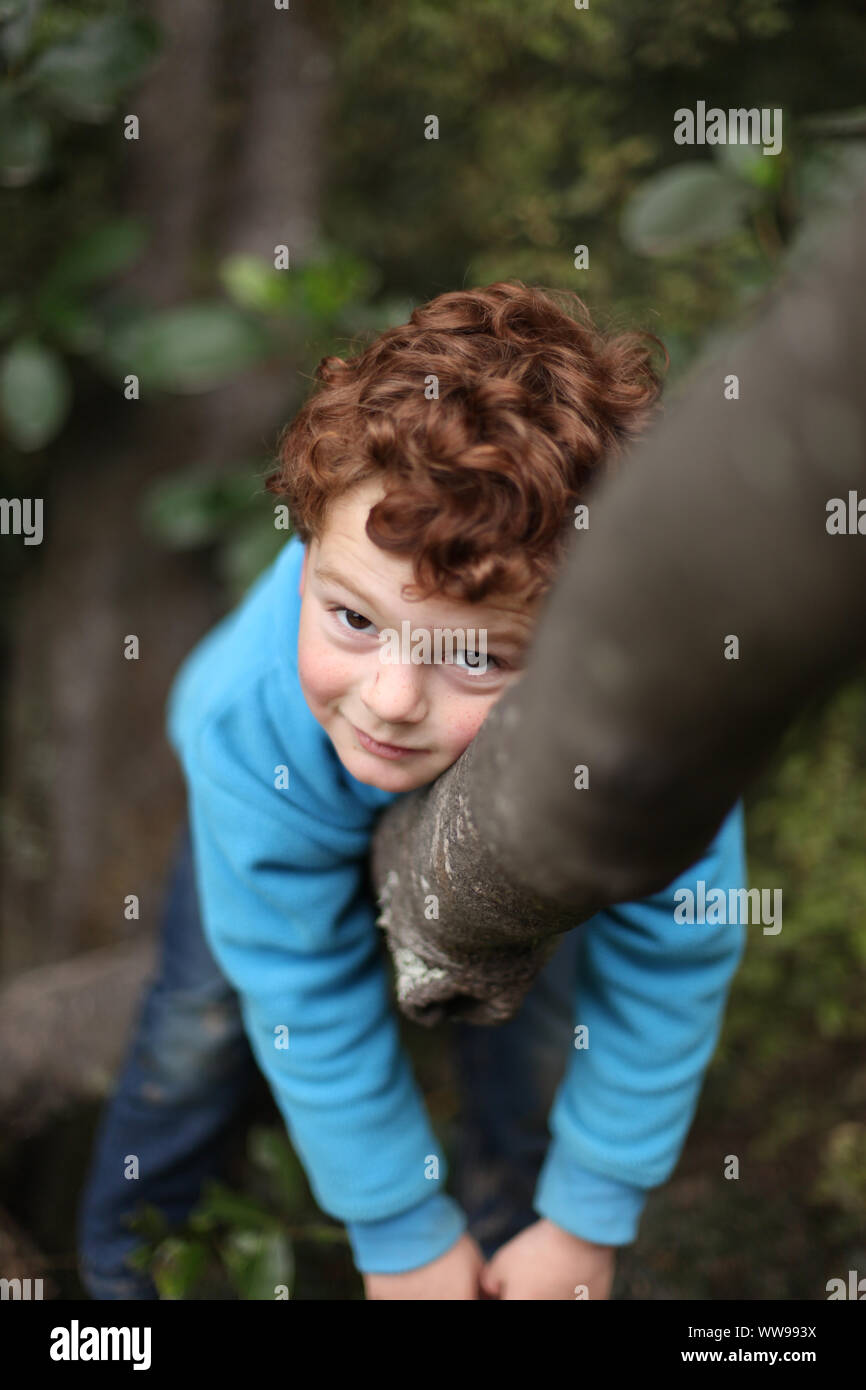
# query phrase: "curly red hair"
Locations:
[[482, 479]]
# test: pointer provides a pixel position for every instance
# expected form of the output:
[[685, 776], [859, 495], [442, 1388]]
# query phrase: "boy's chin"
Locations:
[[390, 777]]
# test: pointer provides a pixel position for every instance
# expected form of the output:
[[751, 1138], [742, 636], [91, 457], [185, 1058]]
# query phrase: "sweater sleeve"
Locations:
[[286, 913], [651, 991]]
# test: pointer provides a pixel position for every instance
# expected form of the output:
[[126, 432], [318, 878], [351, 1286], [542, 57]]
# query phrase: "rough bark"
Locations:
[[715, 526]]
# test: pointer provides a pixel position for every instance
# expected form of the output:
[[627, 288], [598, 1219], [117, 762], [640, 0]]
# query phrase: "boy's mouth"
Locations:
[[382, 750]]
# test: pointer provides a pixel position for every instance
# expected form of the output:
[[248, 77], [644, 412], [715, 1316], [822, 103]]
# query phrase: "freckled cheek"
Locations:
[[462, 721], [325, 674]]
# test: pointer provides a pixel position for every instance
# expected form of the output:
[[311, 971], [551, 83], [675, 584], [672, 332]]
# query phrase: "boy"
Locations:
[[431, 480]]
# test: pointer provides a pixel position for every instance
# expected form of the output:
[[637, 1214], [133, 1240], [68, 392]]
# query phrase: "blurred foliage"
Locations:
[[68, 66], [806, 821], [65, 67], [842, 1179], [235, 1244], [556, 131], [792, 1049], [553, 119], [230, 512]]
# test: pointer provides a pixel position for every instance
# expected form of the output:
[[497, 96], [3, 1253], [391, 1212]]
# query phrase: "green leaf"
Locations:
[[25, 143], [74, 325], [192, 348], [85, 76], [141, 1258], [258, 1261], [270, 1151], [196, 509], [693, 204], [99, 254], [35, 394], [177, 1265], [149, 1223], [748, 162], [319, 289], [335, 281], [222, 1204], [254, 283]]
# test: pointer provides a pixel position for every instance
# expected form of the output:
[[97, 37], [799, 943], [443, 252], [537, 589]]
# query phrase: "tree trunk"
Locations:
[[713, 532]]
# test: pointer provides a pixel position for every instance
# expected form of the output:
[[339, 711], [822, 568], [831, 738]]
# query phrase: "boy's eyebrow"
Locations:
[[332, 576], [504, 632]]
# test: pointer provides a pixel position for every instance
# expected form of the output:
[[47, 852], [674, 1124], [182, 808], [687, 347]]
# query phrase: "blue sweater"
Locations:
[[280, 833]]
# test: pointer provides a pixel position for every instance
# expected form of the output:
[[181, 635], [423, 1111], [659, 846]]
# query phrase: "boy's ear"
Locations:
[[303, 577]]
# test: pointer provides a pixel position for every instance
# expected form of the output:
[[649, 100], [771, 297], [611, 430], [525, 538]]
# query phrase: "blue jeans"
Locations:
[[189, 1072]]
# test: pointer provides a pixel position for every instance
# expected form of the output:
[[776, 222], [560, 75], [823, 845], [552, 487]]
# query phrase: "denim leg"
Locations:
[[188, 1070], [507, 1077]]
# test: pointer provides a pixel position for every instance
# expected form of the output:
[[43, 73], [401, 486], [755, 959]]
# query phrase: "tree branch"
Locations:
[[714, 528]]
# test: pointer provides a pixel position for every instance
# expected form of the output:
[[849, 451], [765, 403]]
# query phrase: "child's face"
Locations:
[[394, 724]]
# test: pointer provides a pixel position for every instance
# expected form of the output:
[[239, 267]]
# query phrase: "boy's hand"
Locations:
[[545, 1262], [453, 1275]]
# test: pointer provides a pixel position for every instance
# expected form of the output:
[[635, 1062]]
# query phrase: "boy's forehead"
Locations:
[[345, 556]]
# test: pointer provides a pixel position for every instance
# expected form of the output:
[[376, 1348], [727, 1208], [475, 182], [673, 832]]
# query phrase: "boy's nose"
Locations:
[[395, 694]]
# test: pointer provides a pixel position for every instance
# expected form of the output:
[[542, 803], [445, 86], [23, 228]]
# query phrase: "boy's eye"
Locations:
[[356, 621], [475, 663]]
